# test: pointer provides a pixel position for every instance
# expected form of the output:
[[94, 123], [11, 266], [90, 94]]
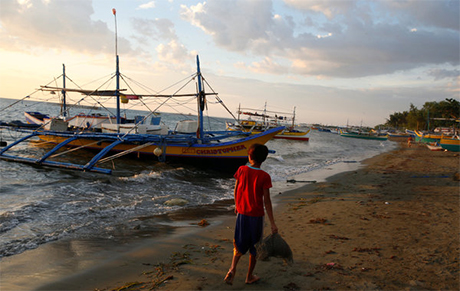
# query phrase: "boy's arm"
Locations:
[[234, 194], [269, 209]]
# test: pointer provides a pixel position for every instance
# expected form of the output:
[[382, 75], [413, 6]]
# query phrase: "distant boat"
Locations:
[[362, 135], [35, 118], [257, 123], [324, 129], [399, 136], [450, 144]]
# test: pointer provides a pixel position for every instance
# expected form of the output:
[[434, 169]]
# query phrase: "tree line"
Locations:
[[445, 113]]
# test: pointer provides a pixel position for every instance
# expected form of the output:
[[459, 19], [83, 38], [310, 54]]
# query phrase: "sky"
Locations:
[[336, 62]]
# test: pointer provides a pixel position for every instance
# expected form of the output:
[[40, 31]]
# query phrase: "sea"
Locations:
[[41, 205]]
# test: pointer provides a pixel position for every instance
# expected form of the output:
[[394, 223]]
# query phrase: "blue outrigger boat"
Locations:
[[220, 150]]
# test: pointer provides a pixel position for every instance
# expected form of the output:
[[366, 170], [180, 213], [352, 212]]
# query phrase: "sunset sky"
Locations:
[[335, 61]]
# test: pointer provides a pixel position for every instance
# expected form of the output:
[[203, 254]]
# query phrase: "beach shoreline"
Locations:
[[387, 225]]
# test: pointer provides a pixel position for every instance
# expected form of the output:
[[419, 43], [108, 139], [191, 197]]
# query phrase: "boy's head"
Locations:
[[258, 152]]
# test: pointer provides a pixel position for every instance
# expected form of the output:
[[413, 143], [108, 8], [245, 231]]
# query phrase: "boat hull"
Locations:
[[434, 147], [364, 136], [35, 118], [286, 134], [302, 136], [222, 156], [427, 138], [450, 144]]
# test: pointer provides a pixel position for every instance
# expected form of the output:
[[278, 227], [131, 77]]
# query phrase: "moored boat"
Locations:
[[362, 135], [220, 150], [216, 149], [257, 123], [451, 144], [400, 136], [35, 118], [427, 137]]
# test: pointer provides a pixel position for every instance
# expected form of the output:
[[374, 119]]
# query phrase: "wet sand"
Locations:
[[393, 224]]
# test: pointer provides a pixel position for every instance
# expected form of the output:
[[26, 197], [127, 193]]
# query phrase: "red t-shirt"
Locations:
[[249, 196]]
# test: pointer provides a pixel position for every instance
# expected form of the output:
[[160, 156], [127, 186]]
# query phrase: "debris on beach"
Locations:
[[338, 237], [330, 266], [291, 286], [297, 181], [203, 223], [367, 250], [320, 221], [176, 202], [128, 286]]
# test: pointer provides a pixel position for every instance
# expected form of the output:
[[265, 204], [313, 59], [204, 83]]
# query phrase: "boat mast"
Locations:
[[239, 112], [63, 108], [265, 113], [117, 70], [201, 99], [293, 119]]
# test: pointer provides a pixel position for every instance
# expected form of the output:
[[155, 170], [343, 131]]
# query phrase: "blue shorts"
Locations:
[[248, 232]]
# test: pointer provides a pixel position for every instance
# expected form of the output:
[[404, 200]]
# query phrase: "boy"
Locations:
[[252, 193]]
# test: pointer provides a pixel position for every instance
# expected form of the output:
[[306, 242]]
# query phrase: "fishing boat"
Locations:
[[191, 143], [423, 137], [451, 144], [220, 150], [362, 135], [256, 123], [80, 121], [35, 118], [399, 136]]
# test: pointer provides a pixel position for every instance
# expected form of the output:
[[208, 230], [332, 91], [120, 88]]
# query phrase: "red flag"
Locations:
[[114, 11]]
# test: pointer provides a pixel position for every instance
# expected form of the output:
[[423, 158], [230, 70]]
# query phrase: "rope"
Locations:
[[125, 152], [74, 149], [219, 100]]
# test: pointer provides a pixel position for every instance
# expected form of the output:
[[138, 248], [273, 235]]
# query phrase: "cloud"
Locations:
[[330, 8], [157, 29], [441, 14], [161, 30], [266, 66], [148, 5], [235, 25], [30, 25], [172, 52], [440, 74], [364, 38]]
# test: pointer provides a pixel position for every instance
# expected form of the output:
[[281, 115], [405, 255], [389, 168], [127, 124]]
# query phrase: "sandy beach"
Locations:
[[391, 225]]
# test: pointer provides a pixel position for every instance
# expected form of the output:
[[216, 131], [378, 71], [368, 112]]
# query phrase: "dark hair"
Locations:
[[258, 152]]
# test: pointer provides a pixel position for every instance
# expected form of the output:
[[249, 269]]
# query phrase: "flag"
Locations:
[[114, 11]]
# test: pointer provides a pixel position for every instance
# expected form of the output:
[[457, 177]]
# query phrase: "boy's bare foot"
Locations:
[[229, 278], [252, 279]]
